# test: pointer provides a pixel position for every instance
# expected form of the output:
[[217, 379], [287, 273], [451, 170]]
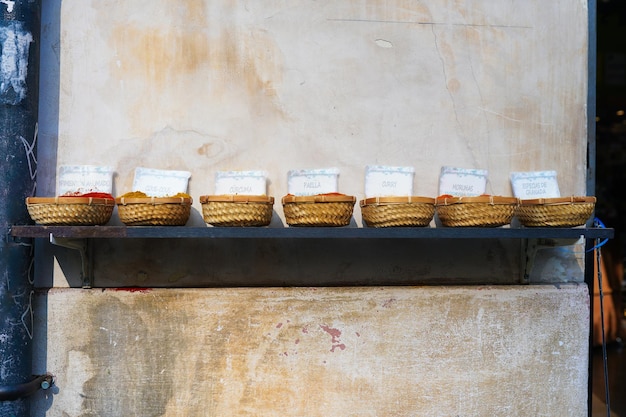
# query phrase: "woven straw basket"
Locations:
[[318, 210], [481, 211], [70, 211], [237, 210], [397, 211], [555, 212], [154, 211]]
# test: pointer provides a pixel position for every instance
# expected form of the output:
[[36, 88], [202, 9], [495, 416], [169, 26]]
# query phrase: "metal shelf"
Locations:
[[80, 238], [175, 232]]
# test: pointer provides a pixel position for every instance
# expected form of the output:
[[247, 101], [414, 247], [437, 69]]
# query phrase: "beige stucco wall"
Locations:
[[207, 85], [431, 351]]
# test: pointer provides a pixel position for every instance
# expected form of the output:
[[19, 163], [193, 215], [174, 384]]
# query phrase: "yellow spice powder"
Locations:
[[135, 194], [141, 194]]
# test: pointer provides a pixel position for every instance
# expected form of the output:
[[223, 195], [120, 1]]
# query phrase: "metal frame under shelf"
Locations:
[[532, 239]]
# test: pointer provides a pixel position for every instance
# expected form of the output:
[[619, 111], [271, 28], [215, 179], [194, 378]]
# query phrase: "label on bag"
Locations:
[[388, 181], [241, 183], [160, 183], [460, 182], [305, 182], [82, 179], [535, 184]]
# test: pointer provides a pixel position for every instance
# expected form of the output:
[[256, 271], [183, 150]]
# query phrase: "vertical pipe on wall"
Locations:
[[19, 95], [591, 175], [591, 97]]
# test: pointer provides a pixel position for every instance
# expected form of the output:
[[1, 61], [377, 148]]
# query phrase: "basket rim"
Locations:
[[557, 201], [236, 198], [91, 201], [396, 200], [319, 198], [490, 199], [154, 200]]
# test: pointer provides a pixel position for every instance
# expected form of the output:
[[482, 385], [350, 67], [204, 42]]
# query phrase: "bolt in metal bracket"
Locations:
[[84, 248], [17, 391]]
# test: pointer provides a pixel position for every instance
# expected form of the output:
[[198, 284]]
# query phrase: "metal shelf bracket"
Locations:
[[530, 247], [84, 247]]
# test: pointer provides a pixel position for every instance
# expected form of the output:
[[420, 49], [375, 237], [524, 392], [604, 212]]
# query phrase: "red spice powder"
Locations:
[[92, 195]]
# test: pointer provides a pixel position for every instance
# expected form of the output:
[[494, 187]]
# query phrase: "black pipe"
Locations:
[[19, 97], [18, 391]]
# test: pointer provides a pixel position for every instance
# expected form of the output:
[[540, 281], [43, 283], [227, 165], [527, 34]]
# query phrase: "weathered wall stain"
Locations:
[[158, 56], [160, 68], [142, 357]]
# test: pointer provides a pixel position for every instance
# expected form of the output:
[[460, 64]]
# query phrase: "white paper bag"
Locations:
[[241, 183], [461, 182], [306, 182], [82, 179], [388, 181], [535, 184], [160, 183]]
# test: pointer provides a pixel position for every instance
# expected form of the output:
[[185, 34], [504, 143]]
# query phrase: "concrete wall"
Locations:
[[208, 85], [432, 351]]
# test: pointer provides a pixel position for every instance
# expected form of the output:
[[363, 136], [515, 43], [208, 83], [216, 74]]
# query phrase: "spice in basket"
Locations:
[[89, 195], [328, 209], [136, 208], [71, 209], [414, 211], [141, 194], [480, 211], [237, 210], [135, 194], [555, 212]]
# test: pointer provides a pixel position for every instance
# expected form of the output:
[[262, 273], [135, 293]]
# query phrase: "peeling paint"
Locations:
[[10, 4], [15, 42], [383, 43]]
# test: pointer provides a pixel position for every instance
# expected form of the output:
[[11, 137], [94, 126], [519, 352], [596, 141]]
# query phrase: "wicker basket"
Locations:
[[555, 212], [398, 211], [154, 211], [481, 211], [318, 210], [70, 211], [237, 210]]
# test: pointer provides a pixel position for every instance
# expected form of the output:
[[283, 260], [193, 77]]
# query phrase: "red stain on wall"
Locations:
[[335, 334], [340, 346], [133, 289]]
